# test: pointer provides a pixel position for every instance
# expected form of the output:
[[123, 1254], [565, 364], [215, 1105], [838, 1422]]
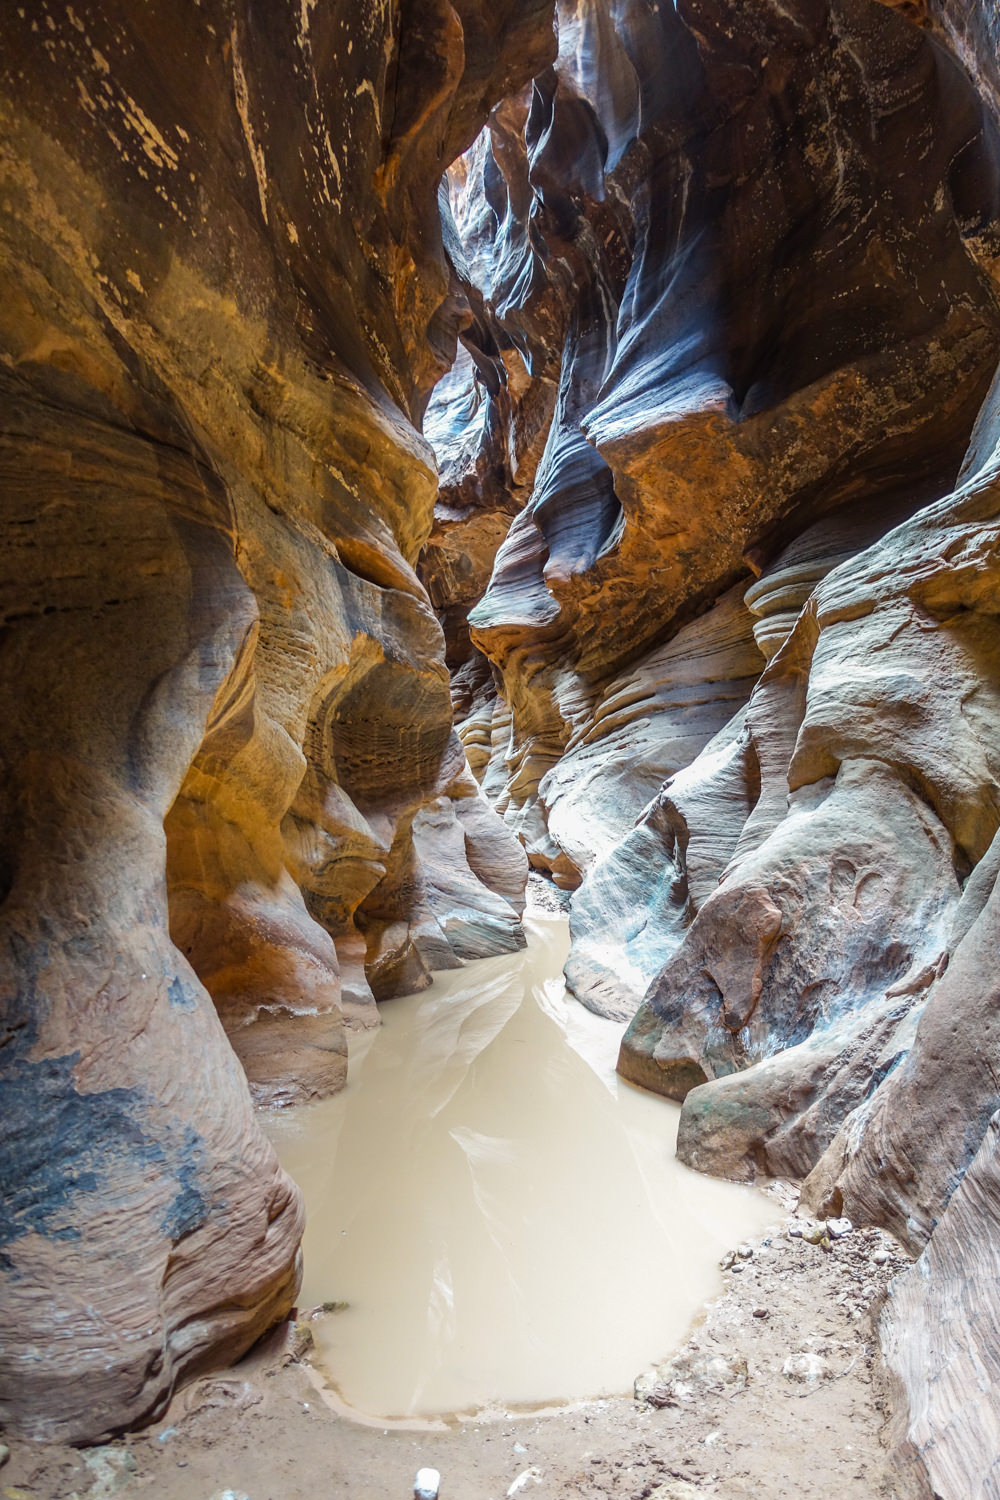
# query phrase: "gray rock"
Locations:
[[939, 1335], [532, 1475], [806, 1368], [112, 1470], [689, 1376]]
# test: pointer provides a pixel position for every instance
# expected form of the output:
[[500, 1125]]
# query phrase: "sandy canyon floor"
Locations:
[[779, 1392]]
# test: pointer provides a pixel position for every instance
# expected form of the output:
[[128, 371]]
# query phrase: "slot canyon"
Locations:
[[497, 492]]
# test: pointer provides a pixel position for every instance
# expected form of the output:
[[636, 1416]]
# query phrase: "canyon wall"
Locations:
[[234, 809], [734, 674], [709, 586]]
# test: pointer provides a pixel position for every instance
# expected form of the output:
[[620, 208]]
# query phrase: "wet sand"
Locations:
[[485, 1118]]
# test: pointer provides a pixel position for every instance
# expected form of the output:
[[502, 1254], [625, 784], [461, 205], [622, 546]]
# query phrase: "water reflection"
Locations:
[[504, 1216]]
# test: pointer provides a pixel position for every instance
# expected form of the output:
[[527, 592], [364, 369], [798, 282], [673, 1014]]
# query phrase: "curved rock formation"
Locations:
[[771, 341], [836, 918], [720, 613], [228, 762], [741, 682], [754, 315], [940, 1342]]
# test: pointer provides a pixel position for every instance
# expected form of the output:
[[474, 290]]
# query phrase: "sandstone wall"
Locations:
[[702, 235], [720, 612], [229, 769], [735, 675]]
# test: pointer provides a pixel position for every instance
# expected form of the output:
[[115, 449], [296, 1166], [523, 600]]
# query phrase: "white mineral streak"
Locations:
[[243, 109]]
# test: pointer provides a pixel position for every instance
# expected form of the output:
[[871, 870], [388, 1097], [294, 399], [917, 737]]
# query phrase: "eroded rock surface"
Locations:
[[700, 233], [719, 611], [838, 904], [737, 676], [939, 1335], [229, 769]]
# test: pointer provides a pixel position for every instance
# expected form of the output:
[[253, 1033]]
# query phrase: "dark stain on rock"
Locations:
[[181, 996]]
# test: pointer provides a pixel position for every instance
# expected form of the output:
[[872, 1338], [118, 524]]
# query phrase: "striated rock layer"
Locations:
[[720, 611], [940, 1341], [734, 678], [755, 314], [229, 772]]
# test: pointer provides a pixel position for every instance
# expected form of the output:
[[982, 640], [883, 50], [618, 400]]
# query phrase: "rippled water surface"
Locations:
[[504, 1216]]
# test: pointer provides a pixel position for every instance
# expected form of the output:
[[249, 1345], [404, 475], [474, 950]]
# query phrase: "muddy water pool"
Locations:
[[502, 1215]]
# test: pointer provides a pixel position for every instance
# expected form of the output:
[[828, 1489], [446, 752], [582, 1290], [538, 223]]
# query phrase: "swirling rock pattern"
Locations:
[[740, 690], [939, 1335], [723, 657], [702, 229], [229, 769], [751, 315]]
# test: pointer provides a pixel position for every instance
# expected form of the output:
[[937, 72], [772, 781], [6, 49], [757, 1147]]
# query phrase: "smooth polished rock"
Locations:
[[939, 1334], [225, 702], [896, 698], [704, 420]]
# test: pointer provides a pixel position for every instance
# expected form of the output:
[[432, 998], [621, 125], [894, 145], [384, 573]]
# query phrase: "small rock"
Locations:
[[727, 1260], [689, 1376], [735, 1267], [675, 1489], [112, 1469], [794, 1231], [526, 1477], [839, 1229], [426, 1485], [301, 1342], [806, 1368], [760, 1312], [658, 1396], [520, 1448], [881, 1257], [4, 1454], [745, 1252], [815, 1234]]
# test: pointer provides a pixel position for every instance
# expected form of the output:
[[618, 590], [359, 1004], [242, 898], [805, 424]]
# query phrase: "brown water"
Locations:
[[504, 1216]]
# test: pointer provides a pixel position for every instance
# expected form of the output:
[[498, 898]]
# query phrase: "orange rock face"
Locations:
[[230, 781], [701, 582]]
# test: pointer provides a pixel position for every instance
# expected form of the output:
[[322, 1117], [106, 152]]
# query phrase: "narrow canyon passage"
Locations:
[[448, 447], [479, 1186]]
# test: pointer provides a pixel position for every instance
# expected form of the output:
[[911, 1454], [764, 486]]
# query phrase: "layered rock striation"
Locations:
[[232, 798], [690, 541], [735, 676], [755, 318]]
